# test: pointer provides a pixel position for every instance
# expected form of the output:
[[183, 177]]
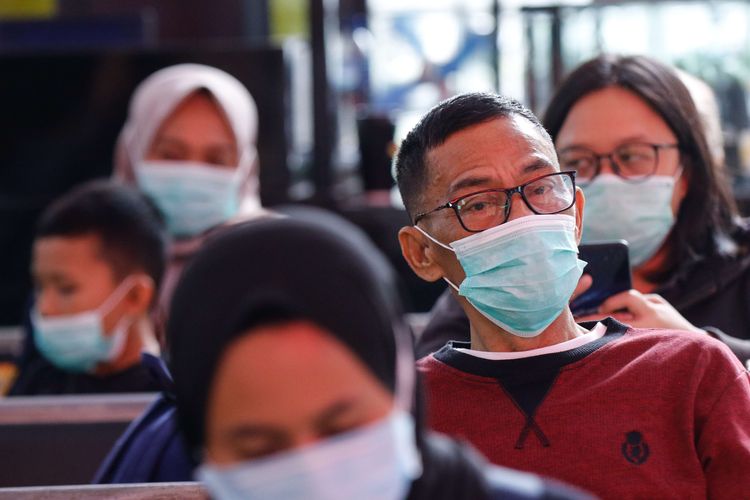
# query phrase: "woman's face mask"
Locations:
[[294, 414], [193, 197], [639, 213], [375, 462]]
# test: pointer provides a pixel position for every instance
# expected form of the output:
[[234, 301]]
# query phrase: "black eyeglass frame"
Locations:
[[509, 194], [615, 167]]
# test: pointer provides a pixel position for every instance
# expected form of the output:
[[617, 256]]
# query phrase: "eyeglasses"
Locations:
[[544, 195], [634, 161]]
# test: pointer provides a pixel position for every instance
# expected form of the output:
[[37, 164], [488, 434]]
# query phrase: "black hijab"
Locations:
[[314, 266]]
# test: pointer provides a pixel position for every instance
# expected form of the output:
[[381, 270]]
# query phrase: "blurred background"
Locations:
[[338, 84]]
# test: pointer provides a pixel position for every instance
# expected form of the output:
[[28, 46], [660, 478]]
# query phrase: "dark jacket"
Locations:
[[151, 449], [40, 377], [713, 293]]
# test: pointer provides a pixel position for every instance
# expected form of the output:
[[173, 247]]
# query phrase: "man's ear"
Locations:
[[140, 296], [419, 254], [580, 203]]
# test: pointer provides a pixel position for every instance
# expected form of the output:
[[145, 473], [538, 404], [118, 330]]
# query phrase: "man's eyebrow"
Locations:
[[483, 181], [536, 166], [469, 182]]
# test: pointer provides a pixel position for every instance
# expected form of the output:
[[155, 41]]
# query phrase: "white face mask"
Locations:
[[193, 197], [77, 342], [375, 462], [640, 213]]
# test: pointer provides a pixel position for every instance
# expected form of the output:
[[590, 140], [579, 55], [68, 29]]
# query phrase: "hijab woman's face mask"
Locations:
[[294, 414], [193, 197], [520, 275]]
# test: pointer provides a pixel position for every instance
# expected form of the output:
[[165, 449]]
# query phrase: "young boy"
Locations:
[[98, 258]]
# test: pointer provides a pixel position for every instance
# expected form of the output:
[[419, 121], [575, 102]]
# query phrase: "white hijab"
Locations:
[[158, 96]]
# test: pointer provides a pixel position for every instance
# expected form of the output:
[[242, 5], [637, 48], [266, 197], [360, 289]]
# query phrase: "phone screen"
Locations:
[[609, 266]]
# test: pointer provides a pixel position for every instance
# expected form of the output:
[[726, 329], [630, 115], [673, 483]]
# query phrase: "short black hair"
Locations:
[[442, 121], [129, 227]]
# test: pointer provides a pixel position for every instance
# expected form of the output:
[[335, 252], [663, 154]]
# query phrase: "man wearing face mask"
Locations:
[[98, 257], [618, 411]]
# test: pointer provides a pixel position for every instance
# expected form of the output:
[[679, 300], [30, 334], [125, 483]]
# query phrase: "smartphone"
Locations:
[[608, 264]]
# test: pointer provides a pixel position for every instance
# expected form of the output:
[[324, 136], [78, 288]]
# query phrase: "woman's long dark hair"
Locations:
[[707, 215]]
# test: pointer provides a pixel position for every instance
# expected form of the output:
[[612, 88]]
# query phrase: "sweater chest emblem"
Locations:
[[635, 449]]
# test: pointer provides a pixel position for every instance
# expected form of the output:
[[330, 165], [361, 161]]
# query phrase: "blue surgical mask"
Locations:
[[640, 213], [193, 197], [376, 462], [520, 275], [77, 342]]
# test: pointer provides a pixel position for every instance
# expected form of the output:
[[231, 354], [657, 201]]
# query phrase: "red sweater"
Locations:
[[636, 414]]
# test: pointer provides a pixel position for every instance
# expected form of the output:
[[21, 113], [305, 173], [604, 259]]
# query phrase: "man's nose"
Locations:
[[606, 164], [518, 207]]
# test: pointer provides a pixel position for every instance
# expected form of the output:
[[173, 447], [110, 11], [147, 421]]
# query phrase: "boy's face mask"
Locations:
[[77, 342]]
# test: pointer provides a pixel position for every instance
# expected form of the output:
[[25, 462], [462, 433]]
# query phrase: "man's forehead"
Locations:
[[512, 145]]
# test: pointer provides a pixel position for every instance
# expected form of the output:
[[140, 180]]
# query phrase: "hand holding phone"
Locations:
[[608, 264]]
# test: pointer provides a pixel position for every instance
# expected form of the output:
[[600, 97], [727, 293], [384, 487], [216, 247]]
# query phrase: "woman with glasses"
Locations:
[[630, 130]]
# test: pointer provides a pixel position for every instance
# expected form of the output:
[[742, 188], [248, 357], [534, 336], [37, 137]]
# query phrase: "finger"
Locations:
[[623, 317], [583, 284], [655, 298], [631, 300]]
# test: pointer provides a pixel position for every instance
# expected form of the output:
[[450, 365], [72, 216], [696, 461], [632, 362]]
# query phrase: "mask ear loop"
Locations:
[[117, 294], [119, 333], [433, 239], [442, 245]]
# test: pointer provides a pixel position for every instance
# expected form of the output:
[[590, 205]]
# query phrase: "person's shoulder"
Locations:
[[435, 361], [40, 377], [669, 346], [457, 470], [136, 378], [428, 364], [661, 336]]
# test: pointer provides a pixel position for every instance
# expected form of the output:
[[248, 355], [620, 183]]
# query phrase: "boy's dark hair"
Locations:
[[442, 121], [128, 225]]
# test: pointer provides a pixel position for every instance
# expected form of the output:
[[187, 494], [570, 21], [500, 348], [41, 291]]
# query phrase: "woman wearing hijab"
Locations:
[[189, 143], [294, 377]]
